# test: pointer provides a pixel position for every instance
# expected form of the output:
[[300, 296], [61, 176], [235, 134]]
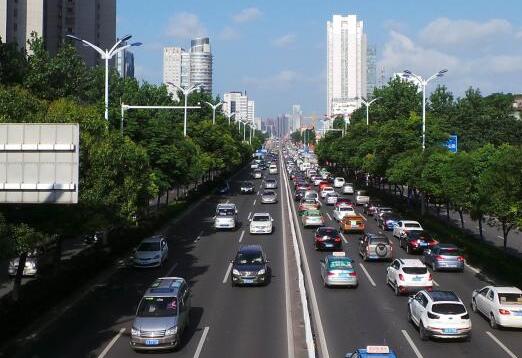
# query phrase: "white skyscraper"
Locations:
[[236, 102], [251, 110], [176, 67], [347, 64]]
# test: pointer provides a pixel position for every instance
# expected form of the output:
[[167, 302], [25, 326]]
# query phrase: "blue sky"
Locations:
[[275, 49]]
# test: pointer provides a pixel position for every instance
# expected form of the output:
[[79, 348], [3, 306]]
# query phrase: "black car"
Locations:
[[327, 238], [299, 194], [247, 187], [250, 266], [224, 188]]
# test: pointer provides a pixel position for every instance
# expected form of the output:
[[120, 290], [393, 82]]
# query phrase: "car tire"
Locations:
[[422, 332], [474, 306], [492, 321], [396, 290]]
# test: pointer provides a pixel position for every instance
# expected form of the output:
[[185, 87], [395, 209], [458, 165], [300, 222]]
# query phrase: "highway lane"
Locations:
[[373, 315], [225, 321]]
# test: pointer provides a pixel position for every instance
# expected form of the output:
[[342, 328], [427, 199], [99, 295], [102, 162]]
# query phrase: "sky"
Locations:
[[276, 49]]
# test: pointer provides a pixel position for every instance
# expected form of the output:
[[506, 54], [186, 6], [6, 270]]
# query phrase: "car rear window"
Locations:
[[226, 212], [510, 298], [158, 307], [261, 218], [340, 264], [329, 232], [449, 252], [268, 193], [411, 225], [379, 240], [149, 246], [415, 270], [448, 308]]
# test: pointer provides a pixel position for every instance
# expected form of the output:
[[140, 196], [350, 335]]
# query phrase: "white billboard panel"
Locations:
[[39, 163]]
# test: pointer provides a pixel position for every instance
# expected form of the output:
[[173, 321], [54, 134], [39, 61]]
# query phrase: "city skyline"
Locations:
[[283, 60]]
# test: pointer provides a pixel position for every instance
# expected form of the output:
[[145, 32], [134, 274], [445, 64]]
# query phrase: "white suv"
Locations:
[[226, 216], [272, 169], [406, 275], [439, 314], [338, 182], [326, 190], [404, 226], [261, 223]]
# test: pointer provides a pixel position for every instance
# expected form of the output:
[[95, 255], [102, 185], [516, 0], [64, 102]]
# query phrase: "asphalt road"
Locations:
[[372, 315], [226, 321]]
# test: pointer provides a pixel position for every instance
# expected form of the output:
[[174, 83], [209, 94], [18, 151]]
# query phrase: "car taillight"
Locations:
[[353, 274], [337, 239], [433, 316], [331, 274], [438, 258], [429, 277], [401, 277], [460, 258], [503, 311]]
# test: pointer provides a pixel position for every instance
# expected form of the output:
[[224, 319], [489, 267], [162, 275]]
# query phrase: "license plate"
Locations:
[[423, 244], [247, 280], [449, 330], [517, 313], [328, 245], [417, 278], [151, 342]]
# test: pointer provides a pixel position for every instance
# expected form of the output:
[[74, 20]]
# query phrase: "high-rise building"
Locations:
[[125, 63], [94, 21], [236, 102], [201, 63], [371, 76], [176, 68], [251, 111], [346, 64], [295, 118]]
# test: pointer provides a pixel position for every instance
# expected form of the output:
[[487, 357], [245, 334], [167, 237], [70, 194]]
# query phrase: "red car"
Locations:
[[417, 241], [343, 201], [323, 184]]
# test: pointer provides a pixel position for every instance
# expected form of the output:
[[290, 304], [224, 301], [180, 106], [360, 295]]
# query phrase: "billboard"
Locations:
[[39, 163]]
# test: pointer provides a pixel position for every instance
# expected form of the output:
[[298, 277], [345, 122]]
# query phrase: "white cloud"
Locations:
[[228, 33], [284, 41], [184, 26], [248, 14], [447, 32]]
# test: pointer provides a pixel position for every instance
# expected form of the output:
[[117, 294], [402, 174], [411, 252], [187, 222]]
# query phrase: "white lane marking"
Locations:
[[476, 270], [500, 237], [241, 237], [344, 239], [368, 275], [501, 345], [258, 192], [201, 342], [435, 283], [288, 301], [171, 270], [329, 217], [111, 343], [199, 236], [228, 273], [364, 217], [255, 200], [412, 345], [249, 215]]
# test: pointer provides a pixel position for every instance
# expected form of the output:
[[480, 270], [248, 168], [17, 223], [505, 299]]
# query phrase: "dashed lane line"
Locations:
[[344, 239], [111, 343], [255, 200], [201, 342], [412, 345], [329, 217], [367, 275], [249, 215], [241, 237], [501, 345], [227, 273]]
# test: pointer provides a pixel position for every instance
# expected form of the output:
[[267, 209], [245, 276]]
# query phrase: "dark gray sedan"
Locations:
[[444, 257]]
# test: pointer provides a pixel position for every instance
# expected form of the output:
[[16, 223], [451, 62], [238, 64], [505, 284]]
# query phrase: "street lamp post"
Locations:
[[368, 104], [230, 116], [424, 83], [186, 92], [214, 107], [107, 55]]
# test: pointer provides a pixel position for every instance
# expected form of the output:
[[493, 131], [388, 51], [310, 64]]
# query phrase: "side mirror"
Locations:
[[231, 261], [267, 261], [250, 220], [427, 252], [272, 219], [322, 261]]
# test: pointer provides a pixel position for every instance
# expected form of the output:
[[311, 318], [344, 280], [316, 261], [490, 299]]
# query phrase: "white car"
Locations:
[[331, 198], [254, 165], [439, 314], [325, 175], [361, 197], [317, 179], [226, 216], [326, 190], [406, 275], [404, 226], [348, 188], [261, 223], [501, 305], [272, 169], [343, 210], [151, 252], [338, 182]]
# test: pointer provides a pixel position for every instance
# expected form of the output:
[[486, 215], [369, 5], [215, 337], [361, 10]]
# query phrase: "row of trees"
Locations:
[[306, 137], [119, 172], [483, 178]]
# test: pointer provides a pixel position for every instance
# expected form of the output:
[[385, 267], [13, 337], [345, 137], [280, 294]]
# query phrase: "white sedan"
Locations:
[[338, 182], [261, 223], [404, 226], [326, 190], [343, 210], [501, 305]]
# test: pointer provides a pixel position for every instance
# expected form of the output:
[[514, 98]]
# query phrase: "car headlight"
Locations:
[[157, 256], [171, 331], [235, 272], [135, 332], [261, 272]]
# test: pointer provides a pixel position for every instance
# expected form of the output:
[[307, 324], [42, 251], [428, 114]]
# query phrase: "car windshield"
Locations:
[[340, 264], [149, 246], [345, 208], [225, 212], [415, 270], [248, 184], [412, 225], [158, 307], [313, 213], [448, 308], [327, 231], [449, 251], [361, 192], [261, 218], [379, 240], [249, 258], [510, 298]]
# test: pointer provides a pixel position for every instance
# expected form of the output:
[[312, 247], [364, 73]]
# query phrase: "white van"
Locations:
[[272, 169]]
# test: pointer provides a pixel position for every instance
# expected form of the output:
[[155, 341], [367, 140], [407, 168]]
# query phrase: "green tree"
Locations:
[[13, 64]]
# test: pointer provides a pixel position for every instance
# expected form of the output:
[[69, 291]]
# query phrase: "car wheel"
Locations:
[[422, 332], [492, 321], [474, 305], [396, 290], [325, 284]]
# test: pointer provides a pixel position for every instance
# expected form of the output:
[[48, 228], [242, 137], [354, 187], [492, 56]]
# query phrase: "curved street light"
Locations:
[[186, 92], [368, 104], [214, 107], [107, 55]]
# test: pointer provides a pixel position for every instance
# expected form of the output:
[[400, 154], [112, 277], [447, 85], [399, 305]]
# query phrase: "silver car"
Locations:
[[444, 257], [162, 315], [270, 184], [268, 197], [375, 247], [338, 270], [30, 268]]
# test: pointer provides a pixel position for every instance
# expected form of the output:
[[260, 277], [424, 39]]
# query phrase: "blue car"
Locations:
[[372, 352], [387, 221]]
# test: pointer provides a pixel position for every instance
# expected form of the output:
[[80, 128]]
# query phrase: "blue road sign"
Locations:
[[452, 143]]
